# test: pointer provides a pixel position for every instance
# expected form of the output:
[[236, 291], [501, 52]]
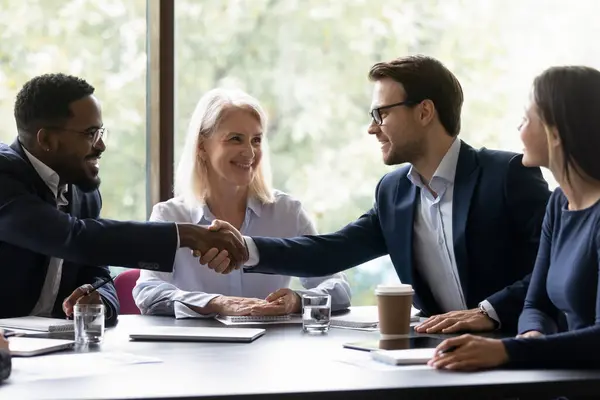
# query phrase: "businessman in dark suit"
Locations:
[[53, 244], [460, 225]]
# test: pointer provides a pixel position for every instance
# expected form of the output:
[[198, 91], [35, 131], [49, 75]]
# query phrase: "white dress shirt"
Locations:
[[433, 235], [170, 293], [47, 298], [433, 241]]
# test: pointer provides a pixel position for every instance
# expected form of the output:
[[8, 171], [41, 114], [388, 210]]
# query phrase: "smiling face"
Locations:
[[400, 134], [233, 153], [74, 153]]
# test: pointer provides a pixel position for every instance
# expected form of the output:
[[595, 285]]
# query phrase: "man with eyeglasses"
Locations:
[[461, 225], [53, 243]]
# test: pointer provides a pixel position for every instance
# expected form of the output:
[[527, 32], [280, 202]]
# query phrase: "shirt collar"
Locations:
[[446, 171], [201, 212], [48, 175]]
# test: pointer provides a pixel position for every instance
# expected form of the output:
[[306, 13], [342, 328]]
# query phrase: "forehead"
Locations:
[[240, 121], [85, 112], [386, 91]]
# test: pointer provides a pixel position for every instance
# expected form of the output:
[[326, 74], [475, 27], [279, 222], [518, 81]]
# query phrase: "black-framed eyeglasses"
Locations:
[[94, 134], [376, 112]]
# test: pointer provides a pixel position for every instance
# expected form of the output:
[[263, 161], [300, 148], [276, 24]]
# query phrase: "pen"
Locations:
[[449, 349], [12, 334], [98, 285]]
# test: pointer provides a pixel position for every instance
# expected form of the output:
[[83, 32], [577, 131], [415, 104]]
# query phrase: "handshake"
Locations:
[[220, 246]]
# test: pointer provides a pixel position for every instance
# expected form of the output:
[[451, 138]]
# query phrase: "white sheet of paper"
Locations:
[[73, 365]]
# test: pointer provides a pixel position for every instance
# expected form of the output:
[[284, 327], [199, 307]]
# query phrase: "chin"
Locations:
[[88, 184]]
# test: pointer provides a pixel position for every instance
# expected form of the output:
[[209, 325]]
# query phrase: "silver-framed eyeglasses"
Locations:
[[94, 134]]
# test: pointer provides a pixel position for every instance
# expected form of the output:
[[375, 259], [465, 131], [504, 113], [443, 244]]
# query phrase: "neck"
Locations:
[[433, 155], [582, 192], [228, 202], [43, 157]]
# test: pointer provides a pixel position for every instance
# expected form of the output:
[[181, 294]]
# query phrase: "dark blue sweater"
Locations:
[[565, 281]]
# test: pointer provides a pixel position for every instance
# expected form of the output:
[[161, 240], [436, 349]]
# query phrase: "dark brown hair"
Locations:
[[568, 99], [426, 78]]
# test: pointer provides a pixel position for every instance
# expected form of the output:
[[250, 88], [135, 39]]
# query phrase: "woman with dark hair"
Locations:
[[560, 131], [5, 362]]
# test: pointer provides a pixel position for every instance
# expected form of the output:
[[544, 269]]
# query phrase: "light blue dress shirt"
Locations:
[[433, 235], [163, 293]]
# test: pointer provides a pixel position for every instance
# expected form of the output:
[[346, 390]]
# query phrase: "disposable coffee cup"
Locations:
[[394, 304]]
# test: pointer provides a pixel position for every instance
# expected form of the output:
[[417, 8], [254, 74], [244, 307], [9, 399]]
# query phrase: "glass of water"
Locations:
[[316, 313], [89, 323]]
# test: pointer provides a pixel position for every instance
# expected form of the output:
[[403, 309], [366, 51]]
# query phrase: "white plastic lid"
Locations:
[[391, 290]]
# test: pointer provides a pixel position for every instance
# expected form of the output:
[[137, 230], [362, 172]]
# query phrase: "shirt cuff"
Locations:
[[252, 252], [182, 308], [487, 307], [178, 242]]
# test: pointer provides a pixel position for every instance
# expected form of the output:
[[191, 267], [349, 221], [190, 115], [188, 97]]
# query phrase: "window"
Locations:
[[104, 43], [307, 61]]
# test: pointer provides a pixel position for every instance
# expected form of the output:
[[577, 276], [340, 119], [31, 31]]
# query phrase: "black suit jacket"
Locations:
[[32, 230], [498, 208]]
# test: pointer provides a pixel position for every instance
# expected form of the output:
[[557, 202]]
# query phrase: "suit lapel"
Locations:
[[73, 197], [467, 174]]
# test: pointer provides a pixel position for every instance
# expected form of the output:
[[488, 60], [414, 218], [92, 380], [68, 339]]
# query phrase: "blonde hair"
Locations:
[[191, 180]]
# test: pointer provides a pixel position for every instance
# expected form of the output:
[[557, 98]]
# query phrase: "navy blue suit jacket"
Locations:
[[498, 208], [32, 230]]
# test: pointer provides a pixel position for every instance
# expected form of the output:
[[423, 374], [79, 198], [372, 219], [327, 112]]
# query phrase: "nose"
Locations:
[[373, 128], [248, 151], [100, 145]]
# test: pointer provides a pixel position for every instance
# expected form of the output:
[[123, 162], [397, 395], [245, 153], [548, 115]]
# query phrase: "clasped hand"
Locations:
[[223, 256], [282, 302]]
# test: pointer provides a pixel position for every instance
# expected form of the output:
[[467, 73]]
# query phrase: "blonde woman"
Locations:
[[224, 174]]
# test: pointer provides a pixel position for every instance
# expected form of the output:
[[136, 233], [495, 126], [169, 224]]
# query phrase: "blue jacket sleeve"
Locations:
[[45, 230], [539, 314], [318, 255], [526, 193]]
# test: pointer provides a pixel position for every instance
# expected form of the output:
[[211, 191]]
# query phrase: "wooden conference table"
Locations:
[[283, 364]]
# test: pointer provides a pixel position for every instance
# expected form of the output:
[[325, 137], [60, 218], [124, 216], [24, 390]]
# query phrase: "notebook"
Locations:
[[254, 318], [197, 334], [27, 347], [359, 317], [404, 357], [40, 324]]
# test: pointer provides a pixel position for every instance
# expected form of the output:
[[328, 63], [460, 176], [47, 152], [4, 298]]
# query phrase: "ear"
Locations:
[[552, 136], [45, 140], [201, 151], [426, 112]]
